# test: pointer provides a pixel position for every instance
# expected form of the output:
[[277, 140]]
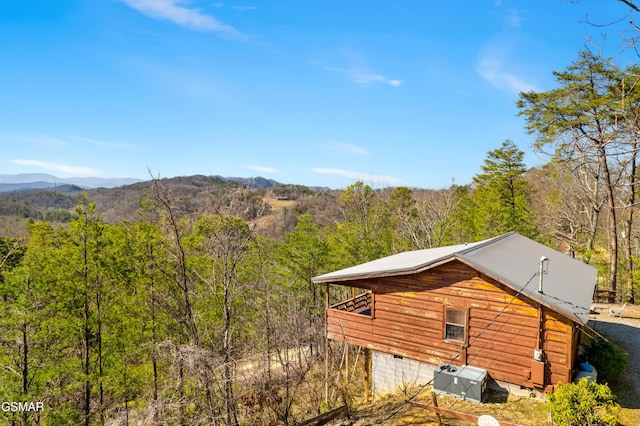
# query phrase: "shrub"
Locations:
[[584, 403], [609, 359]]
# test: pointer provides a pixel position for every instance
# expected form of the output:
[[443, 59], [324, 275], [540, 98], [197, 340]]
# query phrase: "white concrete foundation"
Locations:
[[390, 374]]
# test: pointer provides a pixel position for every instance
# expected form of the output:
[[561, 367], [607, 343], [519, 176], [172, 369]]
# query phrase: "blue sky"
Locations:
[[411, 93]]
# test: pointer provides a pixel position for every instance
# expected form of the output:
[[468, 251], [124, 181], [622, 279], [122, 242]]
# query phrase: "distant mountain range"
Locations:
[[43, 180], [26, 181]]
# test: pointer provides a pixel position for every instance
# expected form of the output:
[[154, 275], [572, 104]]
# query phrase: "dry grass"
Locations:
[[629, 416], [278, 205], [392, 410]]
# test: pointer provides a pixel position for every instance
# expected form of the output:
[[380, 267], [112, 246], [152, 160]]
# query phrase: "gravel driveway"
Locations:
[[624, 330]]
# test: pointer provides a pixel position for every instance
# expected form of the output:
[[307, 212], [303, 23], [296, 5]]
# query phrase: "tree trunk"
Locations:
[[229, 401], [100, 362], [182, 403], [25, 358], [613, 225], [25, 366], [87, 364], [87, 342], [594, 217], [154, 356], [629, 222]]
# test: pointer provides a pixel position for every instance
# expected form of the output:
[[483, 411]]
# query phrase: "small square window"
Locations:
[[455, 325]]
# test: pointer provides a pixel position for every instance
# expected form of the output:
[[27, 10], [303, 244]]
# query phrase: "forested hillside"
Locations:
[[188, 301]]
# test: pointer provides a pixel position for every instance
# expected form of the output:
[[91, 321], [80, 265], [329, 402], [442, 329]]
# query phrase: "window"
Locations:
[[455, 325]]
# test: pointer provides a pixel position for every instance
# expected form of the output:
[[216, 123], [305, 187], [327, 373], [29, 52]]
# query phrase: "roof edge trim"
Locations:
[[396, 273], [485, 243]]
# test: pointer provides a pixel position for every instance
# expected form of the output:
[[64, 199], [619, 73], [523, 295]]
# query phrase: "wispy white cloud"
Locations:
[[73, 170], [513, 19], [263, 169], [365, 177], [358, 71], [244, 8], [491, 66], [365, 77], [176, 11], [346, 148], [102, 143]]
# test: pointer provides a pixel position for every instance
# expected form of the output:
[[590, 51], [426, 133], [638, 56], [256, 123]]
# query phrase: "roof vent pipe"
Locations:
[[541, 273]]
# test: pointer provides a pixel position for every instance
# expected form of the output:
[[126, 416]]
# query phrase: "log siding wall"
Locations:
[[409, 320]]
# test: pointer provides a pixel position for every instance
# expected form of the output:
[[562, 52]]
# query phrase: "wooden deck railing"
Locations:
[[355, 304], [351, 320], [605, 296]]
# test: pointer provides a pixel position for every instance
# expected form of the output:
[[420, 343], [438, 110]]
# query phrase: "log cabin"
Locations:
[[507, 306]]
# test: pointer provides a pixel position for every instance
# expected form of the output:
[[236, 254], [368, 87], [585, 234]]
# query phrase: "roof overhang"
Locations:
[[509, 259]]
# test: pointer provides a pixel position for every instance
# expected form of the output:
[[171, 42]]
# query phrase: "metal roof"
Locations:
[[511, 259]]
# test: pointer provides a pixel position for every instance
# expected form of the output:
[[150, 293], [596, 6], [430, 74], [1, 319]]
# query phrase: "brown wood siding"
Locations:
[[502, 331]]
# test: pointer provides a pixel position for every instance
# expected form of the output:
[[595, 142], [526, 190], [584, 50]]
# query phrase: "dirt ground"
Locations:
[[523, 411]]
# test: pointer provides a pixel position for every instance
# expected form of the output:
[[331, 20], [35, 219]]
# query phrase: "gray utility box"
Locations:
[[462, 381]]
